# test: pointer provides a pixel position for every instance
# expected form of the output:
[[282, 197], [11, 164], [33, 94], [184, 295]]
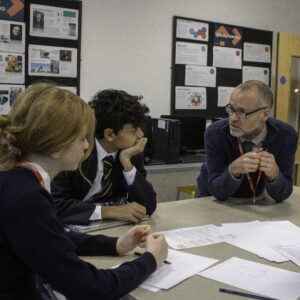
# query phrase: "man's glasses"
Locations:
[[239, 114]]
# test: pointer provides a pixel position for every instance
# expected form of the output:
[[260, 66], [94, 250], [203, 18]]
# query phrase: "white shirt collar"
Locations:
[[44, 174], [101, 153]]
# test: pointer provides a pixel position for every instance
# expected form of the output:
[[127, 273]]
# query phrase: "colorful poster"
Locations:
[[228, 36], [12, 36], [191, 30], [55, 22], [190, 97], [12, 10], [8, 95], [52, 61]]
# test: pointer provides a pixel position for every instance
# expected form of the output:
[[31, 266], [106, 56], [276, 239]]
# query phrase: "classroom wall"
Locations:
[[127, 44]]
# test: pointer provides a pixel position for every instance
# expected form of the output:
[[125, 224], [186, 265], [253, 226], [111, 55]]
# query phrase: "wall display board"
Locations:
[[53, 42], [210, 59], [39, 39]]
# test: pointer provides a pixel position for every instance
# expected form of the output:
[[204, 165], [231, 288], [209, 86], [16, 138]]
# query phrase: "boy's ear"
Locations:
[[109, 134]]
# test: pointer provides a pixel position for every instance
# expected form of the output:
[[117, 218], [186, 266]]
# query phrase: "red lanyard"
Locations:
[[34, 170], [248, 176]]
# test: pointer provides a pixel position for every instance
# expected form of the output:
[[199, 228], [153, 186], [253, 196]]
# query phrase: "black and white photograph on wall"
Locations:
[[15, 32], [38, 19]]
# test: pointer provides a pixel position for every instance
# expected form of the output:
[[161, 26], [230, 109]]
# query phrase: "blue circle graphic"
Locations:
[[282, 80]]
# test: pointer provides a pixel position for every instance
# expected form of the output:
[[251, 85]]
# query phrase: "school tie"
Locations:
[[106, 181], [248, 146]]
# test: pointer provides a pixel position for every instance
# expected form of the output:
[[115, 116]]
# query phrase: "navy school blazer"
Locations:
[[68, 189]]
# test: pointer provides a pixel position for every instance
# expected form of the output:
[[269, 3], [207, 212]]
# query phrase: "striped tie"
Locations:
[[106, 181]]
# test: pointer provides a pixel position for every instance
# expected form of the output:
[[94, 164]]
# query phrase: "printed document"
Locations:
[[194, 236], [183, 265], [258, 278]]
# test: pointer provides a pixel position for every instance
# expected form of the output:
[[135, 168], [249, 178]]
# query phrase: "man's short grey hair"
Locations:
[[264, 93]]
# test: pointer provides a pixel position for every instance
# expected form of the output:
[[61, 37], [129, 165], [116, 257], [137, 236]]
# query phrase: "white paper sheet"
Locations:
[[255, 73], [257, 52], [292, 252], [224, 93], [183, 265], [257, 278], [224, 57], [194, 236], [259, 237], [191, 54], [12, 36], [200, 76]]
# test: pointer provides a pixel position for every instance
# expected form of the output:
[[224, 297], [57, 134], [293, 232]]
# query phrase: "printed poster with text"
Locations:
[[226, 57], [52, 61], [257, 52], [12, 36], [53, 22]]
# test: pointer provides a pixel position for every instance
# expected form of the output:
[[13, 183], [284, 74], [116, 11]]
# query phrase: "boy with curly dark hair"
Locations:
[[111, 183]]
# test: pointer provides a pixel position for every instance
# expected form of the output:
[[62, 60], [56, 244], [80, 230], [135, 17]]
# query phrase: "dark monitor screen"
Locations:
[[192, 130]]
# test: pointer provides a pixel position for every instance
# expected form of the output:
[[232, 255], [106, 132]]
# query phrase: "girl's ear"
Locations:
[[56, 155]]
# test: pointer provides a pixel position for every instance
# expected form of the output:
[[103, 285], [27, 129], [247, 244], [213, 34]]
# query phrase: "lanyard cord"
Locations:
[[248, 175], [33, 169]]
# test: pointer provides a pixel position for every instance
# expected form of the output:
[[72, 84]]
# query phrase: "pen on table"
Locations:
[[139, 254], [245, 294]]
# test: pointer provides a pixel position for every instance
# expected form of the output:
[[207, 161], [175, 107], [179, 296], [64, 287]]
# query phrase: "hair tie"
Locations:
[[11, 148]]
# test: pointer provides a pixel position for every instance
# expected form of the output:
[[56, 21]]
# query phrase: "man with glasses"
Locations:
[[249, 151]]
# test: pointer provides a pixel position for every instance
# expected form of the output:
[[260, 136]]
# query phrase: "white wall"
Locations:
[[127, 44]]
